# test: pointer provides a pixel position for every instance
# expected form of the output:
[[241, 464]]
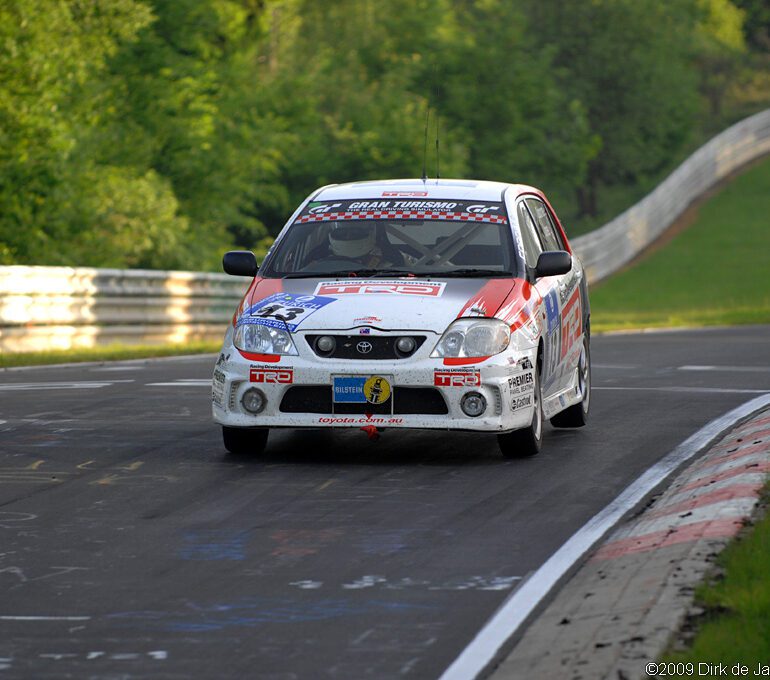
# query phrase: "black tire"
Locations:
[[527, 441], [577, 414], [245, 441]]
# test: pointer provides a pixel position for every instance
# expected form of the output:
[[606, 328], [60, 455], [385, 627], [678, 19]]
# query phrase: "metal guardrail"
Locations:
[[44, 308], [609, 248]]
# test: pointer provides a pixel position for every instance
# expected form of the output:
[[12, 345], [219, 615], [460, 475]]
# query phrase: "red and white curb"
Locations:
[[710, 500]]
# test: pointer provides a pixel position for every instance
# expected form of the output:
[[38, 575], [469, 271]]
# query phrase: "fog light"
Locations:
[[473, 404], [253, 400], [325, 344], [405, 345]]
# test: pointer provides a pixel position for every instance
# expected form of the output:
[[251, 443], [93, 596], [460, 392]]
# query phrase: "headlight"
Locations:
[[473, 338], [252, 337]]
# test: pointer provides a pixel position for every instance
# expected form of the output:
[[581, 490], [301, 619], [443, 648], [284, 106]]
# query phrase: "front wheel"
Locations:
[[527, 441], [577, 415], [245, 441]]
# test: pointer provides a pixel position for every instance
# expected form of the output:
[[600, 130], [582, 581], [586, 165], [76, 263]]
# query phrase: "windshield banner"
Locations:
[[403, 209]]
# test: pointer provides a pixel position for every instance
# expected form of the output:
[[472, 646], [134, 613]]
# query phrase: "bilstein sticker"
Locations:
[[377, 390]]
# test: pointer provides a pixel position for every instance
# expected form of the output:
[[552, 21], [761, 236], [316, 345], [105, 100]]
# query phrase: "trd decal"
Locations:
[[357, 287], [457, 378], [260, 374]]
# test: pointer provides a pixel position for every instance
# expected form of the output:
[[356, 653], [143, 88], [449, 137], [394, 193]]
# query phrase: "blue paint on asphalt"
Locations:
[[212, 544]]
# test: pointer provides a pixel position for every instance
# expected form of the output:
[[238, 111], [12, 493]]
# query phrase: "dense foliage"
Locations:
[[158, 133]]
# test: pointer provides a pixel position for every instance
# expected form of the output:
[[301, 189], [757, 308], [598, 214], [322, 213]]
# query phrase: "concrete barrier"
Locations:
[[43, 308]]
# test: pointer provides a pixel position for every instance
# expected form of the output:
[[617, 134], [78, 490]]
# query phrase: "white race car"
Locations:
[[441, 304]]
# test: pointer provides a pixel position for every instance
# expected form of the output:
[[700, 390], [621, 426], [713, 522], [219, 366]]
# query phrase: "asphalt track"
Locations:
[[132, 546]]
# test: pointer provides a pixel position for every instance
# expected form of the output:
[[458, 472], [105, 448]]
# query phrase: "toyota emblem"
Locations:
[[364, 347]]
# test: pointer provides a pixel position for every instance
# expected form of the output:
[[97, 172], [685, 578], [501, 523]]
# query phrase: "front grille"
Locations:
[[419, 401], [307, 399], [406, 401], [382, 346]]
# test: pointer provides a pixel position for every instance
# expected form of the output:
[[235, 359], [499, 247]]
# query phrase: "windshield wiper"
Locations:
[[469, 272], [305, 275], [380, 272], [351, 273]]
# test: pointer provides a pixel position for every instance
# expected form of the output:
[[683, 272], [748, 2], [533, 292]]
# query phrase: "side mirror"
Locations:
[[240, 263], [552, 263]]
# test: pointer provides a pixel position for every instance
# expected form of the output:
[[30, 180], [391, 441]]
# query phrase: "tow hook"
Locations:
[[372, 432]]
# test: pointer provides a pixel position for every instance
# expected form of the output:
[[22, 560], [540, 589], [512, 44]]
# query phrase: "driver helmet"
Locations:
[[348, 239]]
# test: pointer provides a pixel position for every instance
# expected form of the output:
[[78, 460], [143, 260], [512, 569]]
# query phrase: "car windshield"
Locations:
[[385, 238]]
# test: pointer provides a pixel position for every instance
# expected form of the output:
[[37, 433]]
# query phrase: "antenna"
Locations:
[[438, 119], [425, 146]]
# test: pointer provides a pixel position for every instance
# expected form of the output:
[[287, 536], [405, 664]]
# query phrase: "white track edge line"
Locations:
[[102, 362], [515, 610], [44, 618]]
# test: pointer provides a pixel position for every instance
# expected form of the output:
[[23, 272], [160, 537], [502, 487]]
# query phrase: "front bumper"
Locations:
[[426, 392]]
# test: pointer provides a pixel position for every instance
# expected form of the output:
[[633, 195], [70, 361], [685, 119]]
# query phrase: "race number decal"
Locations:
[[553, 332], [284, 310]]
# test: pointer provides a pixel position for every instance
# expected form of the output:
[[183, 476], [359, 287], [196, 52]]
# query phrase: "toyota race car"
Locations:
[[441, 304]]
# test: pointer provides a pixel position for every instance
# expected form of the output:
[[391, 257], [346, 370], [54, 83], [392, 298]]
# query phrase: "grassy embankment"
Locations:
[[735, 626], [716, 272]]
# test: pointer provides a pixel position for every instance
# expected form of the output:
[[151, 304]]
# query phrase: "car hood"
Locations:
[[387, 304]]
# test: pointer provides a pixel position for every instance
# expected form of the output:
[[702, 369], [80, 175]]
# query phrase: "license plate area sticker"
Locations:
[[361, 389]]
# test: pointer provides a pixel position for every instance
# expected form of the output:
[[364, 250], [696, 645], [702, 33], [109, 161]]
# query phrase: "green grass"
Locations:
[[716, 272], [106, 353], [735, 627]]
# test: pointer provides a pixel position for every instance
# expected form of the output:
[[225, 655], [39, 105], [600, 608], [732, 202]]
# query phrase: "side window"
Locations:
[[546, 227], [532, 245]]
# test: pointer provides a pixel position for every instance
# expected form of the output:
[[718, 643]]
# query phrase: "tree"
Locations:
[[498, 86], [719, 44], [628, 62], [756, 23], [49, 52]]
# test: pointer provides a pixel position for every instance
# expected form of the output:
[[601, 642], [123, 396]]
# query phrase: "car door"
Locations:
[[548, 288], [567, 289]]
